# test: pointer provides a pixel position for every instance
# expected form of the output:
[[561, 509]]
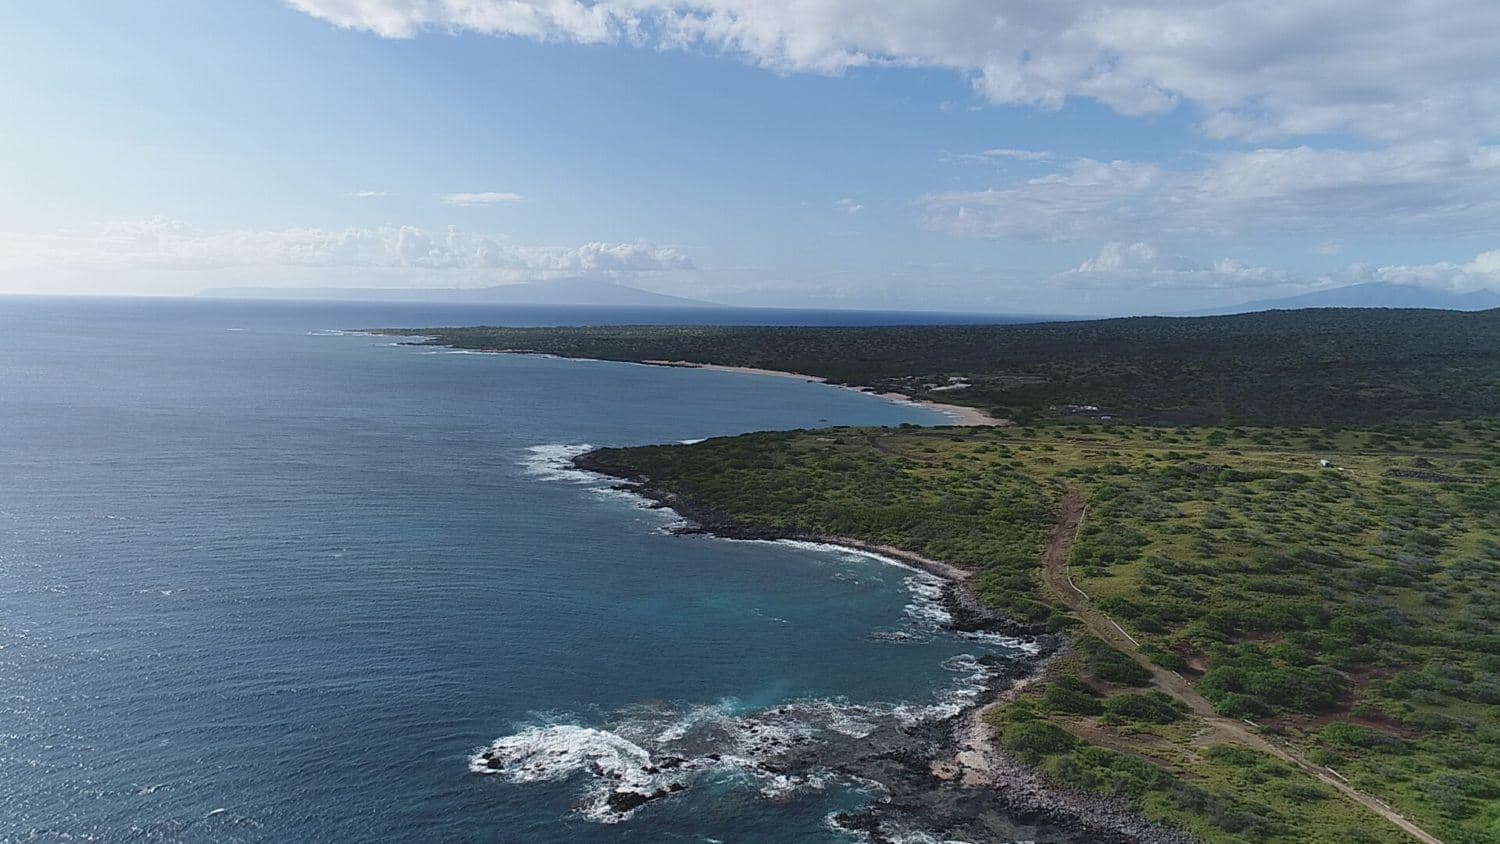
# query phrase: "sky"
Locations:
[[1003, 156]]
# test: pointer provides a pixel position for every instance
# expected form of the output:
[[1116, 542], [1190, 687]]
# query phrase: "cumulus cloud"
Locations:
[[368, 194], [849, 206], [1482, 273], [1146, 267], [1251, 69], [1427, 186], [1134, 257], [1143, 265], [483, 198], [171, 244]]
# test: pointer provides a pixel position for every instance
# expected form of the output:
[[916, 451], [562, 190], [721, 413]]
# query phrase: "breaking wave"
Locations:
[[554, 462], [651, 753]]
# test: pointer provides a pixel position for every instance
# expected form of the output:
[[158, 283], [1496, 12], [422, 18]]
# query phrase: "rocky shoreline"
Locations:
[[949, 777]]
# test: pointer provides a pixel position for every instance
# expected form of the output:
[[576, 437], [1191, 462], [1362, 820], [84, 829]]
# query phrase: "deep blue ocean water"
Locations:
[[264, 581]]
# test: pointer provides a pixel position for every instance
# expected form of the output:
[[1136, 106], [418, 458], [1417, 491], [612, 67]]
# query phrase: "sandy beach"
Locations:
[[960, 414]]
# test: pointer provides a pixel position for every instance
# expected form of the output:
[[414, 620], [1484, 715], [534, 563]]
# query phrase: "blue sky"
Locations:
[[954, 154]]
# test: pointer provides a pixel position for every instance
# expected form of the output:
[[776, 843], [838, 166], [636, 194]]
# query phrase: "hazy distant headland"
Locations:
[[1308, 367], [1372, 295]]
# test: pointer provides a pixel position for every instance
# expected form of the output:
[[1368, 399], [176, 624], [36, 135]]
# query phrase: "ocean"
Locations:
[[262, 579]]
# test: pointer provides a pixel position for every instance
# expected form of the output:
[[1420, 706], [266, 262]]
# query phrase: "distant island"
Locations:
[[1265, 550], [1371, 295]]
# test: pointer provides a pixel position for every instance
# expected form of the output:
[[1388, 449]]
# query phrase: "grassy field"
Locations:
[[1312, 367], [1340, 589]]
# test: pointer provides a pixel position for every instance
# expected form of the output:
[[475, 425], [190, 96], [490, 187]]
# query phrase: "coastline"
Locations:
[[962, 415], [967, 756]]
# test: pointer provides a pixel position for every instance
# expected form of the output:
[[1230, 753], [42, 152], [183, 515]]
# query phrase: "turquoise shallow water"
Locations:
[[262, 581]]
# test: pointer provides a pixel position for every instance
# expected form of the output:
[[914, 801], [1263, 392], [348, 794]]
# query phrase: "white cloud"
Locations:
[[1416, 82], [1482, 273], [1256, 70], [999, 156], [849, 206], [1423, 187], [1120, 257], [369, 194], [1087, 198], [170, 244], [483, 198], [1143, 266], [1017, 154], [607, 258]]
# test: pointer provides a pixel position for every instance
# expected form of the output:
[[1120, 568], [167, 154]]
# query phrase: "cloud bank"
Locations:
[[171, 244], [1419, 187], [1396, 70], [1143, 266]]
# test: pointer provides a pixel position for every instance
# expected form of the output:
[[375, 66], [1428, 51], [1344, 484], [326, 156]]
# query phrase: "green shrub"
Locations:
[[1070, 695], [1034, 740], [1152, 707], [1275, 685], [1107, 772], [1163, 657], [1345, 734], [1110, 665]]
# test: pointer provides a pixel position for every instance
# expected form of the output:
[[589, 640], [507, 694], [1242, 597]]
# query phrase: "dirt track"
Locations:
[[1055, 577]]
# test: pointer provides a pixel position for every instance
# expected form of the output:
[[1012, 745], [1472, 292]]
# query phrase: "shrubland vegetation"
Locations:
[[1313, 367], [1351, 609]]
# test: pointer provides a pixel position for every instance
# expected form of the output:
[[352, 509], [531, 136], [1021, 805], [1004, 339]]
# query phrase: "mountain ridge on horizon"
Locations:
[[1375, 294]]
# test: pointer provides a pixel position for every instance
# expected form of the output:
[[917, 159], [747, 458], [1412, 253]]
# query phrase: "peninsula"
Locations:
[[1269, 543]]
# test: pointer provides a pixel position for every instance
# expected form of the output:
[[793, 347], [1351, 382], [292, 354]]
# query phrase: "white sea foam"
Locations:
[[617, 765], [917, 836], [927, 610], [1030, 647], [926, 606], [695, 718], [556, 752], [963, 693], [853, 720], [849, 553], [554, 462], [926, 588], [653, 752]]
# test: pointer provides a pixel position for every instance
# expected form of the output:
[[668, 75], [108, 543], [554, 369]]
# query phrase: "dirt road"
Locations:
[[1056, 579]]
